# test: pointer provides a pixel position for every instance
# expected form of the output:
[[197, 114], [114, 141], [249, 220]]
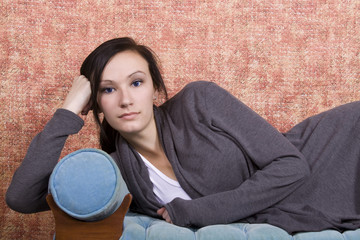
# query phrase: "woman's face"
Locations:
[[126, 94]]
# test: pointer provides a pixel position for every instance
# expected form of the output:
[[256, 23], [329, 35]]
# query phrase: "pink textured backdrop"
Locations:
[[285, 59]]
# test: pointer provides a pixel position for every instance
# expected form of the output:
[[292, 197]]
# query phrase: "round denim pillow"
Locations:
[[87, 185]]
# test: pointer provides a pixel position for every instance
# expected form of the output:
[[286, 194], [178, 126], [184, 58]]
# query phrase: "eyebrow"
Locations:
[[139, 71]]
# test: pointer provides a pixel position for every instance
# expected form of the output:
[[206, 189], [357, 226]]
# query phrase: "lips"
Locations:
[[129, 116]]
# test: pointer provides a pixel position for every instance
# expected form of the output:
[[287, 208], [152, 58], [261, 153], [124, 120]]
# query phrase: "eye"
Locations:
[[107, 90], [137, 83]]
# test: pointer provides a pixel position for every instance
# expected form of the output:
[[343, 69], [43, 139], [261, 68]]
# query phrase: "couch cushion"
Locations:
[[87, 185], [141, 227]]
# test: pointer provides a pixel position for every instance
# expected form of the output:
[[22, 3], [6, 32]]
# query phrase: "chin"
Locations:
[[129, 130]]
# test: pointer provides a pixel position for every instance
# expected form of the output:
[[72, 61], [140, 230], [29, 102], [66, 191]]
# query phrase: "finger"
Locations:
[[166, 216], [161, 211]]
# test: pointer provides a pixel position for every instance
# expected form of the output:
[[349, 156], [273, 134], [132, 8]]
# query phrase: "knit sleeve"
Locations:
[[28, 188], [281, 167]]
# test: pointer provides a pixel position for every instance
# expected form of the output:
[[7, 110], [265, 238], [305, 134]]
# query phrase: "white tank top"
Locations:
[[165, 188]]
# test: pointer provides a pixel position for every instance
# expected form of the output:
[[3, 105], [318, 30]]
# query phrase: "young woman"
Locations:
[[202, 157]]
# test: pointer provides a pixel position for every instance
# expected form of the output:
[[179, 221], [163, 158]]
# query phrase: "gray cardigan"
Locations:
[[234, 165]]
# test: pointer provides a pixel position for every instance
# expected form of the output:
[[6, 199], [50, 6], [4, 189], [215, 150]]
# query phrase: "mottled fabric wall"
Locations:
[[285, 59]]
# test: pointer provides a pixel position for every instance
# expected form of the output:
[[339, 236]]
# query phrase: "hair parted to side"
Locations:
[[93, 67]]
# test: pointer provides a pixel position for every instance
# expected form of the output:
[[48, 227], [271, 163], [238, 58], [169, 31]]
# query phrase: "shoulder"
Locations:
[[198, 92], [188, 102], [207, 94], [194, 101], [192, 93], [199, 87]]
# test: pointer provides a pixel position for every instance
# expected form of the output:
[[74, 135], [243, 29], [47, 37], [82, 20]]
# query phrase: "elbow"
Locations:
[[294, 172], [13, 202], [16, 203], [22, 204]]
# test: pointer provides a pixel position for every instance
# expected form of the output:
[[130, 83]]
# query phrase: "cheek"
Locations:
[[104, 103], [149, 96]]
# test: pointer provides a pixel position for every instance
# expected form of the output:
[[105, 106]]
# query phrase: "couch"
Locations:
[[88, 187]]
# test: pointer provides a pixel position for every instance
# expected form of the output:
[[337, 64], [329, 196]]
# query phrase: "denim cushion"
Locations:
[[141, 227], [87, 185]]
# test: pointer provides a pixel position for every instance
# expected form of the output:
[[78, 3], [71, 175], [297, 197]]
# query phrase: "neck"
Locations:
[[146, 143]]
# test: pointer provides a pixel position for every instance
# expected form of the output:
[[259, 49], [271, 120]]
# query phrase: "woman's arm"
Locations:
[[29, 186], [282, 168]]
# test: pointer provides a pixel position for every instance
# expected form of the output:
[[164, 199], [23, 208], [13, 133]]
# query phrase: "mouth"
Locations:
[[129, 116]]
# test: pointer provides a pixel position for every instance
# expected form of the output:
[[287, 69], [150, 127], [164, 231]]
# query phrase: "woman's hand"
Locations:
[[78, 99], [164, 214]]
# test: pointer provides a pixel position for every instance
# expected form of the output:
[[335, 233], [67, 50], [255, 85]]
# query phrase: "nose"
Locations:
[[125, 98]]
